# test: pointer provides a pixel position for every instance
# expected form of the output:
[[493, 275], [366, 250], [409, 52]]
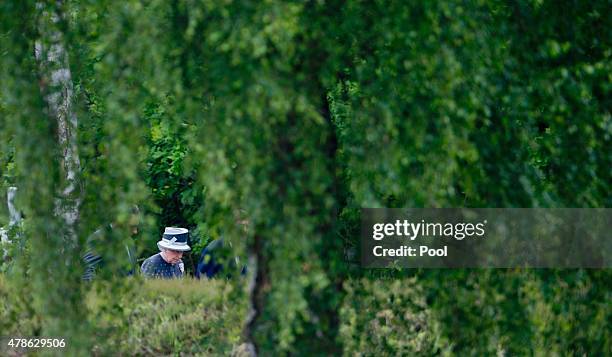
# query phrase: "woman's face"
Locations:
[[172, 256]]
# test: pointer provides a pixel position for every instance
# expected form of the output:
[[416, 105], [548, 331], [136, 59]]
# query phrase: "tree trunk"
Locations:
[[57, 89], [257, 280], [14, 218], [59, 300], [14, 214]]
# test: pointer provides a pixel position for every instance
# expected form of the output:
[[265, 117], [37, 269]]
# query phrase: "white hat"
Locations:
[[174, 239]]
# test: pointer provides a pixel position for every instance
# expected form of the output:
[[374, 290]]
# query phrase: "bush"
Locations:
[[164, 316], [154, 317], [384, 318]]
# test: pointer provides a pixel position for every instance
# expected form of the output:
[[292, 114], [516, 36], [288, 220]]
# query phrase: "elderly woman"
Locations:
[[168, 264]]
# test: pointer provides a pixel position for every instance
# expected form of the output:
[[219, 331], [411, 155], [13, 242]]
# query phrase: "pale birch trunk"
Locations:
[[14, 214], [57, 89], [14, 218]]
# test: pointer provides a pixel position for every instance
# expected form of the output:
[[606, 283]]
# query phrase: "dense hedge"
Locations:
[[160, 317]]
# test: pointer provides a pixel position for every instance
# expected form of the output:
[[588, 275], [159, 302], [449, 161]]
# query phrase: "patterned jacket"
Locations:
[[156, 267]]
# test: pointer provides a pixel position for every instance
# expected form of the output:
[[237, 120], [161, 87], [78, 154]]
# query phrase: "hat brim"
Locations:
[[179, 248]]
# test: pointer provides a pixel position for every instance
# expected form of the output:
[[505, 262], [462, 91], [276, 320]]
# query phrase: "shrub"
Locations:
[[165, 316], [385, 317]]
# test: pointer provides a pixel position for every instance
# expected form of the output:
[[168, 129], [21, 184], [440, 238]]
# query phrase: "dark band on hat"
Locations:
[[181, 237]]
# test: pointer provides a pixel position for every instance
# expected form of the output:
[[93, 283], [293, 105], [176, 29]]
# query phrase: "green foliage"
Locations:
[[568, 311], [287, 118], [18, 316], [387, 318], [457, 104], [519, 311], [163, 317], [174, 191]]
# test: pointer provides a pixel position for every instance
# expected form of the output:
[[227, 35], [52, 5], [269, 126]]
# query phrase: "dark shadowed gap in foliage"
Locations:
[[257, 295], [174, 191], [325, 63]]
